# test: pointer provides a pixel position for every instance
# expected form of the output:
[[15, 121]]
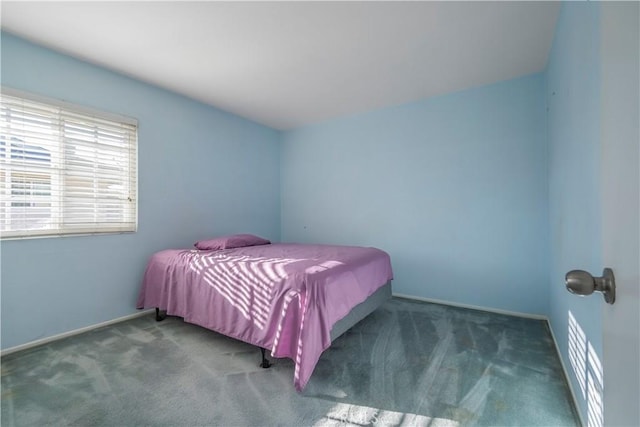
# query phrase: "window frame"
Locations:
[[90, 114]]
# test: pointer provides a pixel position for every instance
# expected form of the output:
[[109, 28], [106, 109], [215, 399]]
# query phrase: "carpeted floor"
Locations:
[[409, 363]]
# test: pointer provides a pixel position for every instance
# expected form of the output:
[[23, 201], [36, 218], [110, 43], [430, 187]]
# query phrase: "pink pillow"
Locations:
[[231, 241]]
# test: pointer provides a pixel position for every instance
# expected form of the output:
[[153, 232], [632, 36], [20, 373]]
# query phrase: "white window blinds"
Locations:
[[65, 169]]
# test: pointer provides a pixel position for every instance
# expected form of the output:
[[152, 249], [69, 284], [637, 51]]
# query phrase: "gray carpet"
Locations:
[[409, 363]]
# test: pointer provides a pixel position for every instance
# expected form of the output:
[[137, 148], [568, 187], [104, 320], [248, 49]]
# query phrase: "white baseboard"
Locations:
[[474, 307], [72, 333]]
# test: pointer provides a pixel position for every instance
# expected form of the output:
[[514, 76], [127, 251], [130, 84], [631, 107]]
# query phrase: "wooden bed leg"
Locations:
[[265, 363], [160, 317]]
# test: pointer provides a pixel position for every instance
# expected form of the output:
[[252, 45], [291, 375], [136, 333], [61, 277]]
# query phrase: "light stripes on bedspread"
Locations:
[[246, 282], [289, 297]]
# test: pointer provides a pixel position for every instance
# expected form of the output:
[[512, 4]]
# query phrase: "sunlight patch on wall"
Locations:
[[577, 352], [595, 388], [588, 370]]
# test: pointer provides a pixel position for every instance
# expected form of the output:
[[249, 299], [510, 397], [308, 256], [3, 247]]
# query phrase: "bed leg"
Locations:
[[160, 317], [265, 363]]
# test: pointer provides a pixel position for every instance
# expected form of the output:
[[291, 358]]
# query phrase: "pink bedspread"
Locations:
[[282, 297]]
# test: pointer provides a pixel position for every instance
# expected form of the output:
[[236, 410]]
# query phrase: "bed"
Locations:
[[290, 299]]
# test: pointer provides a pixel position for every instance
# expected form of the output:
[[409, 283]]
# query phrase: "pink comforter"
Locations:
[[282, 297]]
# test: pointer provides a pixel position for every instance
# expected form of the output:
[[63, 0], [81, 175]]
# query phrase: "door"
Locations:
[[620, 140]]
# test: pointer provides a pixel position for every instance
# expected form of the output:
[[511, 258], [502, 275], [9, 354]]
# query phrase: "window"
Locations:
[[65, 169]]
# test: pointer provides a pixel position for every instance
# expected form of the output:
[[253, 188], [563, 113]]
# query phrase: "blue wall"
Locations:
[[202, 172], [453, 187], [573, 94]]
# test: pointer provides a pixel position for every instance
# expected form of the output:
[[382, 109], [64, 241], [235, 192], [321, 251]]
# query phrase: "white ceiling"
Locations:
[[288, 64]]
